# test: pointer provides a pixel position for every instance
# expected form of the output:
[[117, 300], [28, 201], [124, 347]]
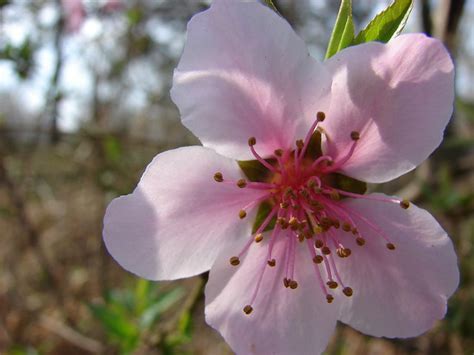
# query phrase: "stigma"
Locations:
[[304, 209]]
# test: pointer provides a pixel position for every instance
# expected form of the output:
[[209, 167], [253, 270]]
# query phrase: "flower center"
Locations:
[[301, 204]]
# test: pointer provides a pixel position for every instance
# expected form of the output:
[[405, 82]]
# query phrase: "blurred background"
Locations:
[[84, 106]]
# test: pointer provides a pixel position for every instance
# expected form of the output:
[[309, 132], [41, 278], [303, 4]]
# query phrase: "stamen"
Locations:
[[258, 238], [271, 262], [325, 250], [241, 183], [332, 284], [320, 116], [347, 291], [234, 261], [318, 243], [242, 214], [248, 309], [293, 284], [218, 177], [344, 160], [355, 136], [360, 241], [318, 259], [258, 157], [390, 246], [329, 298], [404, 204]]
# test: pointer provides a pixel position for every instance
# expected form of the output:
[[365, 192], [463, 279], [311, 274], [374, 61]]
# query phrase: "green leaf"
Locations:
[[343, 33], [165, 301], [115, 323], [387, 24]]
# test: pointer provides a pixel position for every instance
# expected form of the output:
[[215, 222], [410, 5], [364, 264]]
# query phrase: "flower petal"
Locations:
[[178, 218], [401, 292], [399, 96], [283, 321], [245, 73]]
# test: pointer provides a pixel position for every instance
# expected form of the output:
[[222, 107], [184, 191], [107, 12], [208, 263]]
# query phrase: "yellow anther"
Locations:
[[284, 204], [242, 214], [390, 246], [293, 284], [234, 261], [299, 144], [404, 204], [317, 189], [258, 238], [301, 237], [346, 227], [343, 252], [347, 291], [355, 136], [360, 241], [318, 243], [318, 259], [320, 116], [218, 177], [248, 309], [325, 250], [332, 284], [271, 262], [286, 282], [318, 229], [325, 222], [241, 183], [329, 298], [252, 141]]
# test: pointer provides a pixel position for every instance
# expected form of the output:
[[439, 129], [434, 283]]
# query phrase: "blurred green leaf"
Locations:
[[162, 304], [118, 327], [343, 32], [387, 24], [112, 148]]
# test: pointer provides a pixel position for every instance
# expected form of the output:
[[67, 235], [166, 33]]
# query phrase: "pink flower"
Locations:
[[248, 89]]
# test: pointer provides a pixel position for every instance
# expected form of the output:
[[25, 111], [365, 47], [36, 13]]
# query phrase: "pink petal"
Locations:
[[399, 293], [283, 321], [399, 96], [245, 73], [178, 218]]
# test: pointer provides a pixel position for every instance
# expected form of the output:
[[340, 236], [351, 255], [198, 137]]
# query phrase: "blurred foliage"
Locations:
[[128, 313]]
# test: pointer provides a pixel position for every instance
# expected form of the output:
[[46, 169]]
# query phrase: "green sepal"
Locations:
[[314, 150], [387, 24], [343, 33], [346, 183], [271, 5], [254, 170], [263, 211]]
